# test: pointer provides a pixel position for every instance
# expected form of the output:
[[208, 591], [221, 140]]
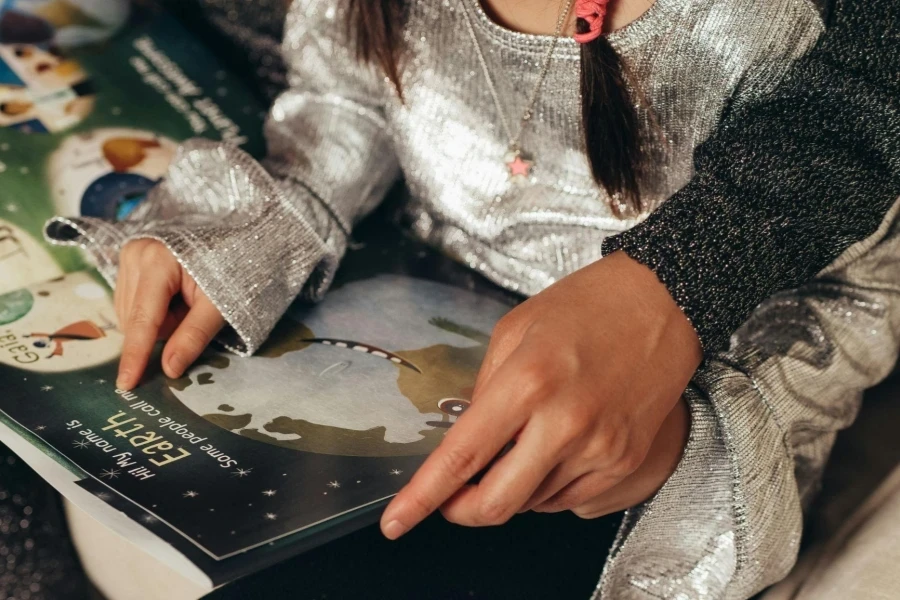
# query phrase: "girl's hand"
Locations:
[[581, 376], [155, 297]]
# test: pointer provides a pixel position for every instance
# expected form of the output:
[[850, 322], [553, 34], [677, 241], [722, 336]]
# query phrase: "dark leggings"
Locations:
[[540, 556], [552, 557]]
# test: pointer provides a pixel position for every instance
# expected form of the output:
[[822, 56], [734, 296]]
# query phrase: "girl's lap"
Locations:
[[532, 556]]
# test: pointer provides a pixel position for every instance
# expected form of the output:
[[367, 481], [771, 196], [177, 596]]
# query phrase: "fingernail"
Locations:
[[175, 366], [394, 529], [122, 380]]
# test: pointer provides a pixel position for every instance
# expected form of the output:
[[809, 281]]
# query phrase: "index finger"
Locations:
[[142, 322], [475, 439]]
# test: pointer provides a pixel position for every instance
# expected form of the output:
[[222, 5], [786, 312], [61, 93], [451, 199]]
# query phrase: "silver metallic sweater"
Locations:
[[339, 136], [728, 521]]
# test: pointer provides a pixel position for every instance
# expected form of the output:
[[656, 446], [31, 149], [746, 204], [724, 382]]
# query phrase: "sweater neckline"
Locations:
[[631, 35]]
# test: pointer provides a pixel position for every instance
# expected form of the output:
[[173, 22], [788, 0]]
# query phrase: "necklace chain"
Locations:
[[545, 69]]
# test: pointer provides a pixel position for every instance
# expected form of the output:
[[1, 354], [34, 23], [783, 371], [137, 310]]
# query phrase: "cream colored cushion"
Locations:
[[119, 569], [860, 562]]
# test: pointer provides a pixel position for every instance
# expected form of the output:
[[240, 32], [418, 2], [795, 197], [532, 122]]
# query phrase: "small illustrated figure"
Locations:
[[22, 28], [64, 23], [367, 349], [80, 331], [8, 237], [372, 372], [107, 173], [41, 91], [454, 407], [125, 153], [114, 195]]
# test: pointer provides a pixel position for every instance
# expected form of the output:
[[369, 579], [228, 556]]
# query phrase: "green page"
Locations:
[[88, 131], [241, 462]]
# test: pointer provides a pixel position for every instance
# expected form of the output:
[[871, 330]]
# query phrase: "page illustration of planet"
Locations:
[[383, 367], [61, 23], [23, 260], [107, 172], [57, 326]]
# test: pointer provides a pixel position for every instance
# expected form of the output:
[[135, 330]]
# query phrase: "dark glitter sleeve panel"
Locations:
[[788, 182]]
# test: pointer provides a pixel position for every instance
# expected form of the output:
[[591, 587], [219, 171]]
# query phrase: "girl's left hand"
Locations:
[[581, 376]]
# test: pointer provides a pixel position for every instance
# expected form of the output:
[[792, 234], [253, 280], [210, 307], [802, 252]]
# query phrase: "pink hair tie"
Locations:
[[594, 13]]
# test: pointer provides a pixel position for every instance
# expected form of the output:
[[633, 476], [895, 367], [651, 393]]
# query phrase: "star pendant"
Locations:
[[519, 168]]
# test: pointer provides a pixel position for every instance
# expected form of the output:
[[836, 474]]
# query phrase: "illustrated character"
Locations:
[[80, 331], [17, 27], [61, 324], [16, 104], [371, 372], [40, 89], [8, 237], [106, 173], [350, 406], [453, 407], [45, 69], [64, 23], [116, 194], [16, 108], [126, 153], [23, 260], [427, 384]]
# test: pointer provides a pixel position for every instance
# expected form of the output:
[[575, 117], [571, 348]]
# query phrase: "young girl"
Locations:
[[527, 133]]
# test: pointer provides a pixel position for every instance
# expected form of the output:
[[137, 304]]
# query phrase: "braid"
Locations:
[[611, 127]]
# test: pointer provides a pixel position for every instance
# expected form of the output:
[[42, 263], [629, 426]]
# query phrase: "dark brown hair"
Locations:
[[611, 126]]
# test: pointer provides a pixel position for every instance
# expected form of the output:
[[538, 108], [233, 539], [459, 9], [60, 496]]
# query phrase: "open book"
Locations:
[[241, 462]]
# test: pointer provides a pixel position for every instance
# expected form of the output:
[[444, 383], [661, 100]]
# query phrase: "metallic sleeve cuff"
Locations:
[[249, 248], [728, 521], [681, 543]]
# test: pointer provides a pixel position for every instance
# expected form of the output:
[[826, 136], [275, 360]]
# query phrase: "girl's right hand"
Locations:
[[156, 298]]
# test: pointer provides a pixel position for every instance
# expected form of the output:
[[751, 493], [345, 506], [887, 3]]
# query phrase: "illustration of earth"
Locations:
[[381, 368]]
